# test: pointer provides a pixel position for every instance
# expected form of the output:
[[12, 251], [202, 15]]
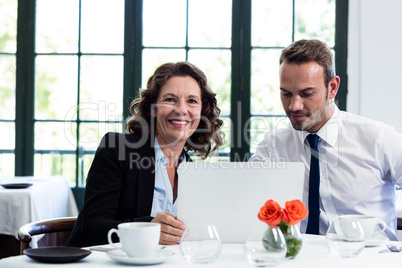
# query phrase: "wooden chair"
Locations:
[[26, 232]]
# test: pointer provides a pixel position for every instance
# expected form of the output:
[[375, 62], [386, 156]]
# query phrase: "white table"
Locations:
[[313, 254], [48, 197]]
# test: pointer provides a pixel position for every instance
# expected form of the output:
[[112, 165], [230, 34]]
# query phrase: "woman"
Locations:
[[133, 176]]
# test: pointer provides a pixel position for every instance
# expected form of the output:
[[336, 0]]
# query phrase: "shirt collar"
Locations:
[[329, 132], [160, 156]]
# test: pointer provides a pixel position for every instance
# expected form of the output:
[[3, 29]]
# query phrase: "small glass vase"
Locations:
[[265, 247], [293, 239]]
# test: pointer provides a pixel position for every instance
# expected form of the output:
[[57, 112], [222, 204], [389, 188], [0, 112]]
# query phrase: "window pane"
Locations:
[[259, 126], [55, 164], [102, 26], [101, 93], [315, 19], [7, 87], [85, 165], [153, 58], [207, 26], [91, 133], [55, 136], [271, 23], [8, 29], [164, 23], [216, 66], [56, 87], [265, 98], [7, 165], [7, 140], [57, 26]]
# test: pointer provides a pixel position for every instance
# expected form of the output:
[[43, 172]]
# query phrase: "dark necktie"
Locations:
[[314, 187]]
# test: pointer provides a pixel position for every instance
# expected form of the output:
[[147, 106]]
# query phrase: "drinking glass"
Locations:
[[265, 246], [345, 238], [200, 243]]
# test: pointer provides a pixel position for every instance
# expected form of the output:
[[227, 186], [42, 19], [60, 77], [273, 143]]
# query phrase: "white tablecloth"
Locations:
[[48, 197], [314, 254]]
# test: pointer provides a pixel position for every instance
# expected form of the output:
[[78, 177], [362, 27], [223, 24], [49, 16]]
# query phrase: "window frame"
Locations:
[[240, 74]]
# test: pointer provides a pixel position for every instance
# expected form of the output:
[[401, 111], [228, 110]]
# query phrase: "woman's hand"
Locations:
[[171, 228]]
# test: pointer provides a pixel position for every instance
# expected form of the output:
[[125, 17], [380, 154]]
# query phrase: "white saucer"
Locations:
[[376, 241], [120, 256]]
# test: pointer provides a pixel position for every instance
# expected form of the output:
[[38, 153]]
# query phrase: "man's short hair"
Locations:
[[304, 51]]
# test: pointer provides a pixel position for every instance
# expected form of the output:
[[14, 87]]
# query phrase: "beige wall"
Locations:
[[375, 60]]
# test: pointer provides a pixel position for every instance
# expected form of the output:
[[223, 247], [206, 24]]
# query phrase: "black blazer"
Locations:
[[120, 188]]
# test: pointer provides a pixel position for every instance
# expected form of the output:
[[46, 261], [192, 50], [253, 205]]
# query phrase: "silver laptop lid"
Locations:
[[230, 194]]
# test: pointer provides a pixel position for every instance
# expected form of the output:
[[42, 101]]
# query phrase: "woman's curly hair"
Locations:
[[208, 136]]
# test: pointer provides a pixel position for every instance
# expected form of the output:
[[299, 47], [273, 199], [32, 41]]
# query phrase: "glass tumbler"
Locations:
[[200, 243], [345, 238]]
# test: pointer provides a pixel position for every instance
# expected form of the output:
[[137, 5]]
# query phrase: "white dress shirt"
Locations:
[[360, 163]]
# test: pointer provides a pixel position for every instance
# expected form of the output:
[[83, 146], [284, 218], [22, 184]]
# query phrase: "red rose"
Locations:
[[270, 213], [294, 212]]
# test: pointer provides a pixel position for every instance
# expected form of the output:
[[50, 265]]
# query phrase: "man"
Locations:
[[355, 163]]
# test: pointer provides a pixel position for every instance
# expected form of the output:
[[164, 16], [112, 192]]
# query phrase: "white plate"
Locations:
[[376, 241], [120, 256]]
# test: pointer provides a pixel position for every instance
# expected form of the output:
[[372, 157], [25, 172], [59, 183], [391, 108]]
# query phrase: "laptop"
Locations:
[[230, 194]]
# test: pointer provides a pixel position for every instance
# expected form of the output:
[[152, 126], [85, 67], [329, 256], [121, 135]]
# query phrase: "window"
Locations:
[[178, 35], [8, 49], [78, 82], [82, 62], [274, 25]]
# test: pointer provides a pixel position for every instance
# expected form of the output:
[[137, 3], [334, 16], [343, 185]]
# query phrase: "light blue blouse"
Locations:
[[163, 192]]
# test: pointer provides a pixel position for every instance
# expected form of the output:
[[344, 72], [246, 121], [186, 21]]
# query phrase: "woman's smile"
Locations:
[[178, 109]]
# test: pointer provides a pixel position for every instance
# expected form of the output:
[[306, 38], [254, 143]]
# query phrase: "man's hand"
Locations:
[[171, 228]]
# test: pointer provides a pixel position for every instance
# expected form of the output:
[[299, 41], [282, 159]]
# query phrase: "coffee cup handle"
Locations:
[[109, 236], [382, 225]]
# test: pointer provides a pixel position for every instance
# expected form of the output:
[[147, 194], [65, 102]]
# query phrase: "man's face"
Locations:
[[305, 98]]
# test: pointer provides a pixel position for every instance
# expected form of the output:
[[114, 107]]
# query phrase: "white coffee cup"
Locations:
[[138, 239], [371, 225]]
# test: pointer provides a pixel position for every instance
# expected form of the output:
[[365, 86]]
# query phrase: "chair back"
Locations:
[[25, 233]]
